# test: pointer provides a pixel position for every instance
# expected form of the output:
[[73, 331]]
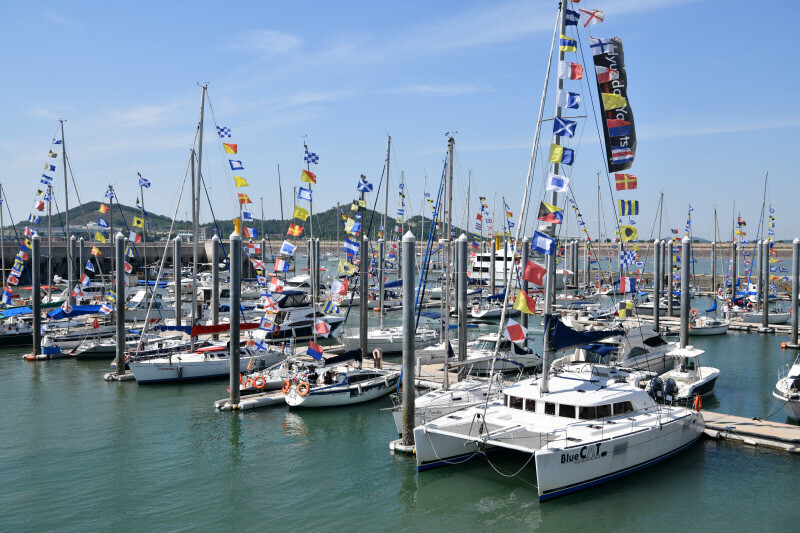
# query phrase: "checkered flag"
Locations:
[[311, 158], [223, 131], [627, 258]]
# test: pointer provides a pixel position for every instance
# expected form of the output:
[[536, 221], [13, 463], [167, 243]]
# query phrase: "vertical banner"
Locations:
[[618, 125]]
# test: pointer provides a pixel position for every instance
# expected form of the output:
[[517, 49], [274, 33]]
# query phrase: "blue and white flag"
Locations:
[[311, 157], [351, 246], [543, 243], [556, 183], [49, 167], [266, 324], [89, 266], [102, 223], [568, 99], [46, 177], [247, 215], [600, 46], [304, 194], [34, 219], [110, 193], [364, 185], [621, 154], [223, 131], [627, 258], [236, 165], [571, 18], [56, 141], [143, 182], [564, 127], [47, 197], [288, 248]]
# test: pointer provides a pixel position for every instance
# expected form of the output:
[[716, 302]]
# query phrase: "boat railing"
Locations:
[[783, 371]]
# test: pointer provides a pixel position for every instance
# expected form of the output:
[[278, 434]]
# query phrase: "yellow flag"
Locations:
[[628, 233], [240, 181], [300, 213], [556, 153], [362, 203], [346, 268], [99, 237], [613, 101], [138, 222]]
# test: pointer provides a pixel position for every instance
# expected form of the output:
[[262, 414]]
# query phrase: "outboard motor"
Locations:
[[655, 388], [670, 389]]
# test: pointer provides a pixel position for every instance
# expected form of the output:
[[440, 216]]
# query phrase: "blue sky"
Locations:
[[707, 87]]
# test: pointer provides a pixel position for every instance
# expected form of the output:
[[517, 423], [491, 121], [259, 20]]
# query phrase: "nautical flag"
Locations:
[[571, 17], [621, 154], [110, 194], [288, 248], [627, 258], [275, 285], [46, 179], [565, 44], [134, 237], [106, 309], [247, 216], [331, 307], [308, 177], [77, 292], [253, 248], [475, 244], [556, 183], [568, 99], [128, 268], [128, 251], [65, 306], [85, 280], [351, 247], [364, 185], [244, 199], [99, 237], [304, 194], [625, 181], [345, 267], [559, 154], [12, 280], [223, 131], [311, 157], [627, 284], [281, 265], [38, 205], [251, 233], [618, 127], [89, 266], [591, 16], [322, 328], [266, 324], [300, 213], [295, 230], [230, 148], [340, 287], [605, 74], [103, 208], [144, 182], [550, 213], [34, 219], [613, 101], [235, 165], [674, 232], [101, 222], [534, 273], [270, 305], [563, 127], [49, 168], [52, 154], [515, 332], [601, 46], [524, 303], [352, 226], [257, 264], [314, 350], [628, 207], [29, 232], [741, 222], [628, 233], [542, 243], [240, 181], [138, 222]]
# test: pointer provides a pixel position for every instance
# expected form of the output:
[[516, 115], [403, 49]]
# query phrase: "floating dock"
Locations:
[[752, 431]]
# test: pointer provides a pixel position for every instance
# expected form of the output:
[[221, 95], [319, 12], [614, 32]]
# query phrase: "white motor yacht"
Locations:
[[787, 389], [689, 378]]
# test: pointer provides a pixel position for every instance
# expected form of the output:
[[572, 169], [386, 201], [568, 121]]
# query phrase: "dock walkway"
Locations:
[[754, 432]]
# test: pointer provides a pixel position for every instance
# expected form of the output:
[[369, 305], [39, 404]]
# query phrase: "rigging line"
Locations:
[[226, 172], [423, 278], [14, 227], [163, 259], [216, 225], [75, 185]]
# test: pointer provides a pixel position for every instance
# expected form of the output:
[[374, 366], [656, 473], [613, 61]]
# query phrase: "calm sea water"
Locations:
[[81, 454]]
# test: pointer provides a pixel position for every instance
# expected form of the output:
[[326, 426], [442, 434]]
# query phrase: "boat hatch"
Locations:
[[211, 349]]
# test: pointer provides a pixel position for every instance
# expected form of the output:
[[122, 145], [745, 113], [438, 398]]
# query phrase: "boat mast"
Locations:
[[661, 212], [550, 278], [385, 234], [280, 190], [70, 259], [49, 242], [3, 235], [197, 175], [448, 257]]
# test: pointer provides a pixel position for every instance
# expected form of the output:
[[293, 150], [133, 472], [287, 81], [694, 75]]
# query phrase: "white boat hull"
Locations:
[[334, 396], [772, 318], [696, 331], [389, 342], [177, 369]]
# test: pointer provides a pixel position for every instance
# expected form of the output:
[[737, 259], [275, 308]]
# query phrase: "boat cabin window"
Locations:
[[587, 413], [604, 411], [623, 407], [636, 351], [654, 341], [530, 405], [566, 411], [515, 402], [549, 408], [687, 364], [355, 378]]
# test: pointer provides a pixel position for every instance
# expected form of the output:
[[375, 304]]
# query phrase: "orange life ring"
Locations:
[[260, 382], [287, 384], [241, 378], [251, 343], [698, 403], [247, 383], [693, 312], [303, 388]]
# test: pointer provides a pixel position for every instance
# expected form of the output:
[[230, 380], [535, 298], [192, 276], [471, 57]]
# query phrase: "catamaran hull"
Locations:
[[560, 472]]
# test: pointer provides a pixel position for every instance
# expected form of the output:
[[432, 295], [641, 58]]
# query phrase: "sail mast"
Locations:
[[196, 206], [382, 260], [70, 259], [448, 256]]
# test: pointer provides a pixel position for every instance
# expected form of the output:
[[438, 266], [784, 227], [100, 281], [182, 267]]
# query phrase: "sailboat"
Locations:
[[583, 424]]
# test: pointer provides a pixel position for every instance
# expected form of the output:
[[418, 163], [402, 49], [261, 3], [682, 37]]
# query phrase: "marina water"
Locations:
[[81, 454]]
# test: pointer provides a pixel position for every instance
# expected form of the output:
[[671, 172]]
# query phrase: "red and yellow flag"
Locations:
[[295, 230], [96, 251], [244, 199], [103, 208], [230, 148], [308, 177], [625, 181], [524, 303]]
